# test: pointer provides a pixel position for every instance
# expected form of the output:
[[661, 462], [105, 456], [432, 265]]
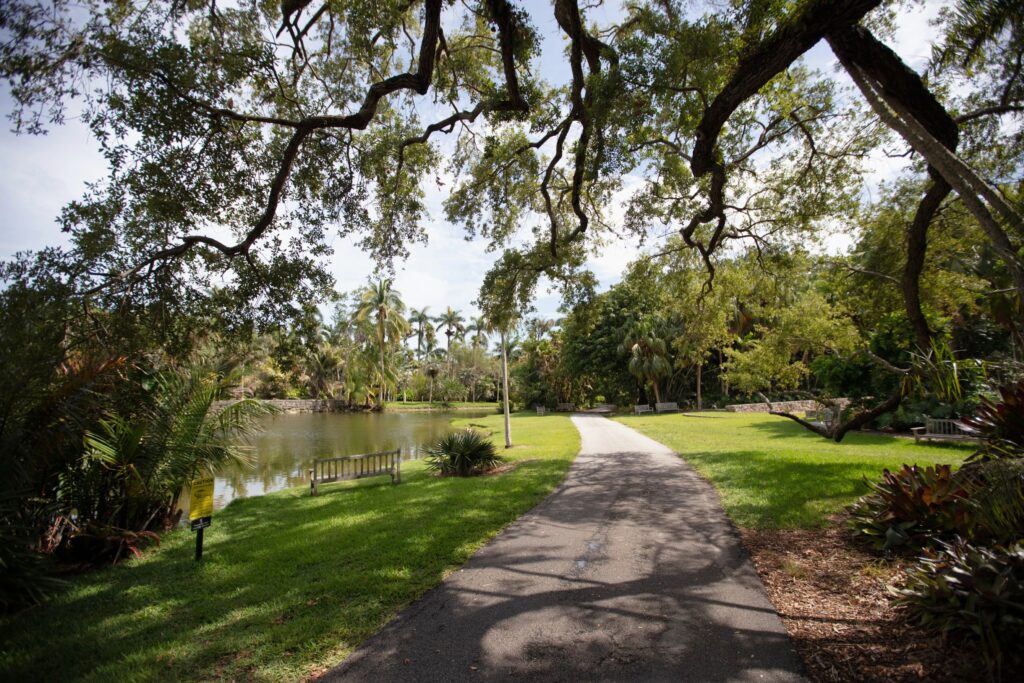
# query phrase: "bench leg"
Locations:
[[396, 475], [312, 482]]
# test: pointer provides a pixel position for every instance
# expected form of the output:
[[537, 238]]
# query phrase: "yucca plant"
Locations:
[[462, 454]]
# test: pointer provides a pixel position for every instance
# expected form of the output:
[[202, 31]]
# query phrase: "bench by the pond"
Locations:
[[672, 407], [565, 407], [641, 408], [356, 467], [942, 430]]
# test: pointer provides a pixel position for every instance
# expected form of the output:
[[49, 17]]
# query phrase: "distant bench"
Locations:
[[942, 430], [667, 407], [641, 408], [348, 467], [824, 415]]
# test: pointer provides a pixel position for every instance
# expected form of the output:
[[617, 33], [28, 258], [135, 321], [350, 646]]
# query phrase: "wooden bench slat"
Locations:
[[349, 467]]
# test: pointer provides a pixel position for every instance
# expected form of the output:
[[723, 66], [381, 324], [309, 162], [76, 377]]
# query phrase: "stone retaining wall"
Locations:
[[781, 406], [298, 405]]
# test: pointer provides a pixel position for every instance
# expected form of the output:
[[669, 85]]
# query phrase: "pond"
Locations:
[[285, 450]]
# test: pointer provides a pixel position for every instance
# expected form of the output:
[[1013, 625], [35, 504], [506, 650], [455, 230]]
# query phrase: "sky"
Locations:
[[41, 174]]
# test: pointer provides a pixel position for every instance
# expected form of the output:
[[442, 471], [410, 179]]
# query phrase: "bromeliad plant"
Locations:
[[462, 454], [910, 506], [1001, 425], [962, 587]]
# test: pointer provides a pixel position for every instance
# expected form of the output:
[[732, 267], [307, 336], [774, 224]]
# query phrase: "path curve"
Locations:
[[629, 571]]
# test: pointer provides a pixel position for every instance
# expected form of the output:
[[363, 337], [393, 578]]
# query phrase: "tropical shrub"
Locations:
[[1000, 424], [135, 467], [996, 490], [966, 588], [462, 454], [911, 506]]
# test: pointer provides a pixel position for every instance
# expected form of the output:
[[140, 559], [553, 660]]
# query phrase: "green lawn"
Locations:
[[772, 473], [289, 584]]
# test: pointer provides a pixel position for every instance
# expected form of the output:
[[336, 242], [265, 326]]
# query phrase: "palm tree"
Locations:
[[648, 357], [453, 324], [479, 327], [431, 371], [422, 321], [383, 305]]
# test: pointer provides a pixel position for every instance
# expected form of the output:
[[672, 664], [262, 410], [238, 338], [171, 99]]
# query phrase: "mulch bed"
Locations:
[[833, 600]]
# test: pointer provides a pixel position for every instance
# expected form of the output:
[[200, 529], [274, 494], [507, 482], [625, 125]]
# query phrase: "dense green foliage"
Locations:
[[968, 525], [289, 584], [959, 587]]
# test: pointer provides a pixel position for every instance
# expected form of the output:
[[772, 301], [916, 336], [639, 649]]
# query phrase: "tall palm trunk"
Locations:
[[380, 334], [504, 392], [657, 394]]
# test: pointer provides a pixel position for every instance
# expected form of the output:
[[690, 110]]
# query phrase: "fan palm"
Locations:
[[648, 357]]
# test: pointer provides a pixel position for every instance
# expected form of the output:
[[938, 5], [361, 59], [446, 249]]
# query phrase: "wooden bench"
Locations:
[[565, 407], [942, 430], [824, 415], [326, 470], [667, 407], [641, 408], [541, 410]]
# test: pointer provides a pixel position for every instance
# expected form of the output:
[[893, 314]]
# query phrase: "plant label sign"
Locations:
[[200, 509]]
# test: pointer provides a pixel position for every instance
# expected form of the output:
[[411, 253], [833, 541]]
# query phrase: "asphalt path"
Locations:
[[629, 571]]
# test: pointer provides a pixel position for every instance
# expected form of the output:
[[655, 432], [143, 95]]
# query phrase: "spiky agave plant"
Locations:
[[462, 454]]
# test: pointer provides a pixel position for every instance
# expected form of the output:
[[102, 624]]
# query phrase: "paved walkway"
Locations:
[[629, 571]]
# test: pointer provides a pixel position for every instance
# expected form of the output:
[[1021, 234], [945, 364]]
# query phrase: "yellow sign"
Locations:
[[201, 499]]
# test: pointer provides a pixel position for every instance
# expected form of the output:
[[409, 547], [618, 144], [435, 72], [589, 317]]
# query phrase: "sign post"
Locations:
[[200, 510]]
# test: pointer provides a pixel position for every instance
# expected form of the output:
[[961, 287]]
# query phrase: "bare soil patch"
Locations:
[[833, 600]]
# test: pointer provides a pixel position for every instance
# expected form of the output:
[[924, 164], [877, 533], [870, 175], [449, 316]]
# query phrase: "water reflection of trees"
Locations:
[[284, 452]]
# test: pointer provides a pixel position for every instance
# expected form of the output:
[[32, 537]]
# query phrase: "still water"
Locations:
[[285, 450]]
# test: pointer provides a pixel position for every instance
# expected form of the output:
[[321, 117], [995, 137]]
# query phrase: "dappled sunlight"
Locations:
[[283, 573]]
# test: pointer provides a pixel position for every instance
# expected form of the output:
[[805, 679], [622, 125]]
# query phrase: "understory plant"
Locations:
[[978, 590], [462, 454], [128, 481], [909, 507], [969, 528]]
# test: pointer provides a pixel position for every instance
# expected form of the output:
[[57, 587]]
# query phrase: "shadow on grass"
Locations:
[[761, 490], [287, 581]]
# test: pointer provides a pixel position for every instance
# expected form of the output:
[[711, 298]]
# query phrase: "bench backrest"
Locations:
[[943, 427], [355, 466], [642, 408]]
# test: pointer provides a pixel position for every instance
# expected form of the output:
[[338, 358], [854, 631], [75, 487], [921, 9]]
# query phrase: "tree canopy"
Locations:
[[240, 136]]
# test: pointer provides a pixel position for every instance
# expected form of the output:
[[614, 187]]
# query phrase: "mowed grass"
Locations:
[[772, 473], [289, 584]]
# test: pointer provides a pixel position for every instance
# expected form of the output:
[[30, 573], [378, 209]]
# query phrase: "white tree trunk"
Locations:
[[504, 392]]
